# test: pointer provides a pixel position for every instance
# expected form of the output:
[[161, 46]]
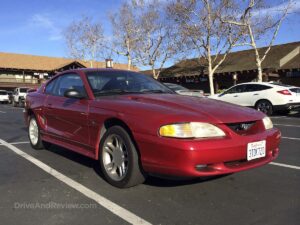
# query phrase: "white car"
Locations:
[[184, 91], [4, 97], [263, 96]]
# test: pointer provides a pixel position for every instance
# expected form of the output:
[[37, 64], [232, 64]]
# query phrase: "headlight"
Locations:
[[191, 130], [267, 123]]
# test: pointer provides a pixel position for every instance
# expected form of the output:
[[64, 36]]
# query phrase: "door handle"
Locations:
[[235, 96], [255, 94]]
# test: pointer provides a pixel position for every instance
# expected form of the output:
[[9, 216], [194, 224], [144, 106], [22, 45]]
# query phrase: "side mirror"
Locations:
[[73, 93]]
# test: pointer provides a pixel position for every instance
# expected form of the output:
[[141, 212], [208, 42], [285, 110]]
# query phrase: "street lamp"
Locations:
[[109, 63]]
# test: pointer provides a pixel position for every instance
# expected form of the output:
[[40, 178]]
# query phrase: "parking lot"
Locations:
[[57, 186]]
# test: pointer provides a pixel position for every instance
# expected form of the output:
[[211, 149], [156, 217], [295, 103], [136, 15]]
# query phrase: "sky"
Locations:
[[35, 26]]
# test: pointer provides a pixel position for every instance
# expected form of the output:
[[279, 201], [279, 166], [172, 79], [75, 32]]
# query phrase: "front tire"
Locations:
[[119, 159], [34, 134], [264, 106]]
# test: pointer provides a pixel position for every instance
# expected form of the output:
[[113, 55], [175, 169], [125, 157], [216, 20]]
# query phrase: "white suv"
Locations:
[[263, 96], [4, 97], [19, 96]]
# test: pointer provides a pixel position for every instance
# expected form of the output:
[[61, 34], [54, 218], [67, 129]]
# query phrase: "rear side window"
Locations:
[[23, 90], [256, 87], [295, 90]]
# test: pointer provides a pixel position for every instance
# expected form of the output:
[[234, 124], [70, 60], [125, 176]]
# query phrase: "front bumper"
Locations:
[[196, 158]]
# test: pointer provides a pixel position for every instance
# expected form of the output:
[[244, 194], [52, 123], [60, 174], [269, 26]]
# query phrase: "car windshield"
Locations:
[[176, 87], [23, 90], [3, 93], [123, 82]]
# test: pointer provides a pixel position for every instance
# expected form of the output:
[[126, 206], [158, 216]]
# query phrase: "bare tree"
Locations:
[[84, 39], [125, 32], [201, 29], [259, 20], [156, 43]]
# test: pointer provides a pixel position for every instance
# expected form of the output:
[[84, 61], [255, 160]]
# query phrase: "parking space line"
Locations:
[[285, 165], [18, 143], [2, 112], [291, 138], [104, 202], [285, 125]]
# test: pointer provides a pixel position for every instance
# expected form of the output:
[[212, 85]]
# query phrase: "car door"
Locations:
[[233, 95], [247, 96], [67, 118], [256, 92]]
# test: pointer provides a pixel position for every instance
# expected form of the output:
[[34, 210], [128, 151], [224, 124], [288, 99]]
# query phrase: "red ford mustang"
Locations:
[[134, 125]]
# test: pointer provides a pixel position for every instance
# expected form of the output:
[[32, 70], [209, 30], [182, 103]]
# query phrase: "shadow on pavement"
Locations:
[[152, 180], [295, 114]]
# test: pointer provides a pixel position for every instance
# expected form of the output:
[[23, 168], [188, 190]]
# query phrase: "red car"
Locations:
[[134, 125]]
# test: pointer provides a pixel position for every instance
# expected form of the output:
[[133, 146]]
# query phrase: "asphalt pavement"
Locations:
[[57, 186]]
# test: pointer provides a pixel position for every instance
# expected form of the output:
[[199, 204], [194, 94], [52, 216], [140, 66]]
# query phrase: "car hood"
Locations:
[[181, 108]]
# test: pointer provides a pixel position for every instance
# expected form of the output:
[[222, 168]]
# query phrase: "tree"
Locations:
[[85, 39], [257, 19], [125, 32], [156, 43], [202, 31]]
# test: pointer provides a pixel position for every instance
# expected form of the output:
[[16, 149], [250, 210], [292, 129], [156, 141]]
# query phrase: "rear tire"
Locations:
[[119, 159], [264, 106]]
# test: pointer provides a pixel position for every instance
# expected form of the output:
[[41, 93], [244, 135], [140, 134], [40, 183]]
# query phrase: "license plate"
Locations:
[[256, 150]]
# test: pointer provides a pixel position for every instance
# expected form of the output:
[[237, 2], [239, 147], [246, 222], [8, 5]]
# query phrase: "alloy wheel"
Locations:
[[115, 157]]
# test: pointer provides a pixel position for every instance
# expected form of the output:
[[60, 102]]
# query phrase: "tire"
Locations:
[[119, 159], [34, 134], [264, 106], [20, 103]]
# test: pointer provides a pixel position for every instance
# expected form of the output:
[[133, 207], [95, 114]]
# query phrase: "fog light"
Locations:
[[199, 167]]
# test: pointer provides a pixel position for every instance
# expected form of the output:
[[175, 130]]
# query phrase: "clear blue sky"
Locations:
[[35, 26]]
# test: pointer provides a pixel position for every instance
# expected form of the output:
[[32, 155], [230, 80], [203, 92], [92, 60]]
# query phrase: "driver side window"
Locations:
[[236, 89], [67, 82]]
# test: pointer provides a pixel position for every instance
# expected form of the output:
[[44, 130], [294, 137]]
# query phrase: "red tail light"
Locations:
[[284, 92]]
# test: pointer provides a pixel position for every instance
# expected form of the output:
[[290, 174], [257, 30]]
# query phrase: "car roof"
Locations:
[[270, 84]]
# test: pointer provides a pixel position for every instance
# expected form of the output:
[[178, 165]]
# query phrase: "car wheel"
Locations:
[[34, 134], [20, 103], [264, 106], [119, 159]]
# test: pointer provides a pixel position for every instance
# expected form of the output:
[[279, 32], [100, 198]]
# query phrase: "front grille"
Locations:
[[242, 127]]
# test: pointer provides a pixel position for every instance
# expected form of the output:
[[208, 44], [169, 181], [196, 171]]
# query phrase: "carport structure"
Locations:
[[281, 64], [20, 70]]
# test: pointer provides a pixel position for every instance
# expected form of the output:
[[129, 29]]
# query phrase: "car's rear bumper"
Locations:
[[288, 106], [196, 158]]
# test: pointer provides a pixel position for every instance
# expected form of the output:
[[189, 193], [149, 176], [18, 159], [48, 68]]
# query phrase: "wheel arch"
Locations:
[[109, 123], [262, 99]]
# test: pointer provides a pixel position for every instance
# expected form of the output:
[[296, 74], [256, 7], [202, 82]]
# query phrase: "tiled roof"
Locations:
[[44, 63], [240, 61]]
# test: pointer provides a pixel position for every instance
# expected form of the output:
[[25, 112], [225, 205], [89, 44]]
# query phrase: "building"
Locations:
[[281, 64], [20, 70]]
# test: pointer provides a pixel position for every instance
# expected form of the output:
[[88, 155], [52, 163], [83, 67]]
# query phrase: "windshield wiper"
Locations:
[[114, 92], [155, 91]]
